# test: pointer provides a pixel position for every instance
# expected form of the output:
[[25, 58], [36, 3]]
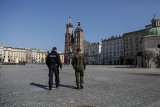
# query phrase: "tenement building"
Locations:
[[17, 55], [61, 55], [112, 50], [132, 45], [14, 55], [1, 52], [72, 41], [92, 53], [136, 42]]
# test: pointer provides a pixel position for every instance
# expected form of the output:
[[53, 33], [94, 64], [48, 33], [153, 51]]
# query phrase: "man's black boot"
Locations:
[[57, 86], [78, 87], [50, 88]]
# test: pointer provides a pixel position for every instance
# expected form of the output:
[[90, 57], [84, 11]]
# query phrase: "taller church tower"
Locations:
[[68, 49]]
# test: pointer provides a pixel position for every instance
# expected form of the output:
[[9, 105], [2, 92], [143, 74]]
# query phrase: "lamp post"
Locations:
[[70, 57]]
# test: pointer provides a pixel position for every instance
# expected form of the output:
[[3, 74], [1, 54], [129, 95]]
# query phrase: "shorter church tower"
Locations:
[[78, 39]]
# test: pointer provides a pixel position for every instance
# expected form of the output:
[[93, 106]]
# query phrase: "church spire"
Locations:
[[79, 27], [69, 23]]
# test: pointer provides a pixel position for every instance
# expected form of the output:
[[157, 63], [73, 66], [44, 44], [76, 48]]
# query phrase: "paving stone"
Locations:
[[104, 86]]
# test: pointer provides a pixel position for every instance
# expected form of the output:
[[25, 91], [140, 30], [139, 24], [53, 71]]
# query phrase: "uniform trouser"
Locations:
[[54, 70], [79, 78]]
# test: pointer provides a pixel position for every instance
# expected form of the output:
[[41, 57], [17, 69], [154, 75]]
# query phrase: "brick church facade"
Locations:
[[73, 40]]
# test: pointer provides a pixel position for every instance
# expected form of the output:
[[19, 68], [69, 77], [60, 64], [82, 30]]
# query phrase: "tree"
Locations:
[[148, 55], [158, 60]]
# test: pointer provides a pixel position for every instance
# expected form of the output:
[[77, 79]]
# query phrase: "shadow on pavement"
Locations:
[[66, 85], [40, 85], [46, 86]]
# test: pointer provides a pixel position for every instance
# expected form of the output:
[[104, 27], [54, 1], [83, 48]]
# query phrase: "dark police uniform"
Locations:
[[53, 62]]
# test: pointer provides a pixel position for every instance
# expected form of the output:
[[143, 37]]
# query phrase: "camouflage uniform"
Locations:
[[79, 65]]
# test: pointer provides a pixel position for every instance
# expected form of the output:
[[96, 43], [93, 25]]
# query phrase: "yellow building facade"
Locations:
[[14, 55]]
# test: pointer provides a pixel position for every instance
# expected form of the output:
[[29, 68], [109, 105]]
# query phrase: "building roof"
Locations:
[[153, 31]]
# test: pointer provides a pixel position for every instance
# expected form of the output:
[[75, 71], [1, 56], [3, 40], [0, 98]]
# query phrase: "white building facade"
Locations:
[[1, 52], [112, 50], [14, 55], [92, 53]]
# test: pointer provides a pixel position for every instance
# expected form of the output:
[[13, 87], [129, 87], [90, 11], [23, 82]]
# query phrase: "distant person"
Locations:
[[79, 65], [53, 62]]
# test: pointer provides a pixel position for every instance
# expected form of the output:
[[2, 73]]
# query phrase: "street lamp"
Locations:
[[70, 57]]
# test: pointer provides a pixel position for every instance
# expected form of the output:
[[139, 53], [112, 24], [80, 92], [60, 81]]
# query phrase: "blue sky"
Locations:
[[41, 24]]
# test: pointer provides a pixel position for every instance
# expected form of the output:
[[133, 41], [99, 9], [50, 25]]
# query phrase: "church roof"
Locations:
[[79, 27]]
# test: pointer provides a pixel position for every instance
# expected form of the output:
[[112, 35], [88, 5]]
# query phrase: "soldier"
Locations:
[[79, 65], [53, 62]]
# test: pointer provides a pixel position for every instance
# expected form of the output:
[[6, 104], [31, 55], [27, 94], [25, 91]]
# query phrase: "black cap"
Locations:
[[54, 48]]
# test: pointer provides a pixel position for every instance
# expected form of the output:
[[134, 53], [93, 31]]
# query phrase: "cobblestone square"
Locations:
[[104, 86]]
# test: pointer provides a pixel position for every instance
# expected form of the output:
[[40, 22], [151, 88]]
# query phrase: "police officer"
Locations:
[[79, 65], [53, 62]]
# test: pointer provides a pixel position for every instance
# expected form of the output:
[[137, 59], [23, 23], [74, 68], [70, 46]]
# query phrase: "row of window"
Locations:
[[131, 45], [114, 48], [130, 38], [113, 54], [129, 53], [113, 43]]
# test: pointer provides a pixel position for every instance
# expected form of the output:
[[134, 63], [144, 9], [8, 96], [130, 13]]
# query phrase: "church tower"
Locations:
[[78, 39], [68, 49]]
